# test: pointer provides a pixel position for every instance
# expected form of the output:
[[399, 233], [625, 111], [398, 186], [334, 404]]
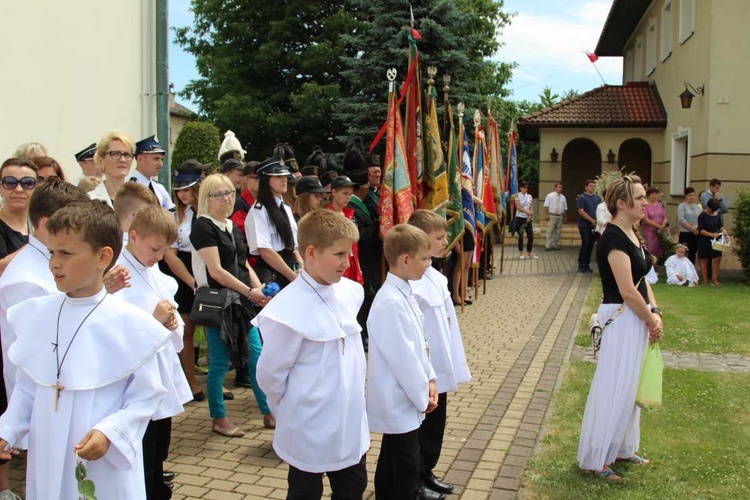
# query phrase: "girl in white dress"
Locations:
[[680, 270]]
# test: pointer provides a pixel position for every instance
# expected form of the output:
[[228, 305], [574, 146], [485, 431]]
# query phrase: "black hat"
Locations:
[[250, 168], [327, 176], [232, 164], [311, 170], [272, 167], [372, 161], [359, 177], [285, 152], [310, 184], [148, 145], [342, 181], [86, 153], [188, 174]]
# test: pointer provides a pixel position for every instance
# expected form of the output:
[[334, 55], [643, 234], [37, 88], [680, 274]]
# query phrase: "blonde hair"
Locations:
[[428, 221], [321, 228], [131, 197], [208, 185], [303, 204], [89, 183], [153, 220], [621, 189], [106, 140], [404, 239], [30, 150]]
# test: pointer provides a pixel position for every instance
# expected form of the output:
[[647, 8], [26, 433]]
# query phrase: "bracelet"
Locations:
[[656, 310], [249, 294]]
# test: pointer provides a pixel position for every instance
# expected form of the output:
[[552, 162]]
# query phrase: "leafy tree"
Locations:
[[199, 141], [741, 230]]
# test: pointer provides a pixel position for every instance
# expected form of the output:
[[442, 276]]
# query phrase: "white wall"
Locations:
[[71, 71]]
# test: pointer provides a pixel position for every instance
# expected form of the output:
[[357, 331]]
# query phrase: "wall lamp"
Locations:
[[553, 155], [686, 98]]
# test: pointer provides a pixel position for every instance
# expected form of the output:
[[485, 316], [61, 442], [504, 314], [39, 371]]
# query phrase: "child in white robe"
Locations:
[[152, 232], [680, 271], [28, 275], [312, 367], [401, 384], [88, 379], [446, 347]]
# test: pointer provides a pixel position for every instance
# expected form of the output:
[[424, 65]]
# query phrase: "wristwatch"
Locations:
[[656, 310]]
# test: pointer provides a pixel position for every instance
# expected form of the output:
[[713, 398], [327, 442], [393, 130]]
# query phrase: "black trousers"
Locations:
[[431, 437], [397, 474], [346, 484], [587, 246], [691, 241], [155, 452], [529, 235]]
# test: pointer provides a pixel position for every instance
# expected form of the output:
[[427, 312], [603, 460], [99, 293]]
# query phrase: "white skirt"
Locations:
[[611, 422]]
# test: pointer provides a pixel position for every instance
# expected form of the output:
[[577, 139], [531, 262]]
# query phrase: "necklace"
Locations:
[[57, 387], [39, 250], [338, 320], [416, 317], [447, 315], [156, 290]]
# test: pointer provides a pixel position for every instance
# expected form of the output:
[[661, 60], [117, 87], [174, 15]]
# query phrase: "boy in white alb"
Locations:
[[312, 368], [680, 271], [28, 275], [152, 232], [88, 379], [400, 380], [446, 347]]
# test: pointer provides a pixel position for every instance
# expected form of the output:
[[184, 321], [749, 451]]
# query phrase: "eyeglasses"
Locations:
[[27, 183], [218, 196], [116, 155]]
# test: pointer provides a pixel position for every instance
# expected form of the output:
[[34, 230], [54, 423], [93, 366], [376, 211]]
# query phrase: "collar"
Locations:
[[38, 245], [133, 261], [125, 237], [140, 178], [279, 200], [94, 299], [224, 226], [402, 285]]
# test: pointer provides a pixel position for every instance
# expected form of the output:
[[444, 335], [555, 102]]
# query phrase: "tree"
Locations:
[[199, 141], [458, 37], [269, 70]]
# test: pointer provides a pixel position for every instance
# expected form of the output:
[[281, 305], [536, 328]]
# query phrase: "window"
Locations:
[[638, 59], [627, 72], [651, 47], [687, 19], [680, 175], [666, 30]]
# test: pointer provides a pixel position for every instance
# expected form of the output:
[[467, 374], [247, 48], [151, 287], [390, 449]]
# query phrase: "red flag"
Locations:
[[592, 57], [413, 122]]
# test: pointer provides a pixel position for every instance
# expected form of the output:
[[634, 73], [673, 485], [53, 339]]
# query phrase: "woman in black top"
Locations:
[[710, 226], [220, 261], [611, 422]]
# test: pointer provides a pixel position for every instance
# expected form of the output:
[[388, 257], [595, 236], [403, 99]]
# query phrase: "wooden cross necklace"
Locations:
[[338, 320], [57, 387]]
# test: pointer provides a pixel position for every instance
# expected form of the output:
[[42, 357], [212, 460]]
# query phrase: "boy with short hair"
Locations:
[[88, 381], [132, 197], [152, 232], [446, 348], [312, 368], [400, 380]]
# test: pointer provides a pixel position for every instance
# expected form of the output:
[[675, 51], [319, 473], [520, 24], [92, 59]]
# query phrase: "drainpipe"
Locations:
[[162, 88]]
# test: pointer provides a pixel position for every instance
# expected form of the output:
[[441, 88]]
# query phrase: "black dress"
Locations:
[[10, 241], [712, 224]]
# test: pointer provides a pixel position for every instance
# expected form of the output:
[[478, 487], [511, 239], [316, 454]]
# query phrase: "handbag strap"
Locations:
[[620, 309]]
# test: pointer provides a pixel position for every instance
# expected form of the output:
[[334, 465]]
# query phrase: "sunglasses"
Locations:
[[27, 183]]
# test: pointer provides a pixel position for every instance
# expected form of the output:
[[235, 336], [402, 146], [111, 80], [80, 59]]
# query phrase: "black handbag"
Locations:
[[208, 306]]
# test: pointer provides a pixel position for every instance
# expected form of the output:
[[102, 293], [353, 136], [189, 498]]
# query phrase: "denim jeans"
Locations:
[[218, 367], [587, 246]]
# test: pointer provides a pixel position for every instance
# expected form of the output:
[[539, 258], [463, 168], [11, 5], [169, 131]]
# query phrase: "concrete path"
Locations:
[[701, 361]]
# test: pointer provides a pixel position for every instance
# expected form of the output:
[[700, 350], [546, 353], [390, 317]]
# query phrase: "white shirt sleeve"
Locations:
[[258, 230], [281, 346]]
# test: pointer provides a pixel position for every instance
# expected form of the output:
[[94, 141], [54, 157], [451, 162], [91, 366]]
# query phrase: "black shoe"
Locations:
[[588, 270], [169, 485], [243, 382], [199, 396], [435, 484], [427, 494], [581, 270], [228, 396], [468, 302], [167, 476]]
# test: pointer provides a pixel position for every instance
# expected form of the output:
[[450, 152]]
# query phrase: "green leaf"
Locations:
[[86, 487], [80, 472]]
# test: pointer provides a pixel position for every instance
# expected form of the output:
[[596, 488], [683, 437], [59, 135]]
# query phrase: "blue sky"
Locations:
[[546, 38]]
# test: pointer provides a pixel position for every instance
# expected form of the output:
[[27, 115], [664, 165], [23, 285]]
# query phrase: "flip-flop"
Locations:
[[236, 432], [635, 459], [609, 474]]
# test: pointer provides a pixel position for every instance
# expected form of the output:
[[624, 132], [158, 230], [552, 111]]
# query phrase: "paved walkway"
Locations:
[[701, 361], [515, 336]]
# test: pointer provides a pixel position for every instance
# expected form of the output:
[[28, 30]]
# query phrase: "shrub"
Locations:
[[197, 140], [741, 231]]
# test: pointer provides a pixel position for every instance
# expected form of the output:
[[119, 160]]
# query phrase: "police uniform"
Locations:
[[150, 145], [83, 155]]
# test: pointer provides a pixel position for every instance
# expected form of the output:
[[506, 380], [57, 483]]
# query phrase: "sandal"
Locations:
[[609, 474], [635, 459], [236, 432]]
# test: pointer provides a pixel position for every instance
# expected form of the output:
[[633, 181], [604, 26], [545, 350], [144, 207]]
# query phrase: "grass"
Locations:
[[701, 319], [697, 442]]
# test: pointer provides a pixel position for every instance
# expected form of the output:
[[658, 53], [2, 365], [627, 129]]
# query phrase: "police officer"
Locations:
[[150, 157]]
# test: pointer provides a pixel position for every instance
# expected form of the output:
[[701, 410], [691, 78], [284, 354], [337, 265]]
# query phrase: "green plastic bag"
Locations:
[[650, 386]]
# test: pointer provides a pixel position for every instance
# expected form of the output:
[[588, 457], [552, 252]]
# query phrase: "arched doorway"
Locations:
[[581, 160], [635, 156]]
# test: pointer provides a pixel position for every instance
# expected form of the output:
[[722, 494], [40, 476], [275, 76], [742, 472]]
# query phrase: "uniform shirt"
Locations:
[[398, 366], [260, 231], [159, 190], [182, 243], [556, 203]]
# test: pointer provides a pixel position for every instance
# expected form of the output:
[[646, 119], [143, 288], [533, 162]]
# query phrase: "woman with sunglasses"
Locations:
[[18, 178], [114, 156]]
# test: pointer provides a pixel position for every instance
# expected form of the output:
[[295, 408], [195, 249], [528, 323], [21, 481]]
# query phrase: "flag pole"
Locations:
[[463, 284]]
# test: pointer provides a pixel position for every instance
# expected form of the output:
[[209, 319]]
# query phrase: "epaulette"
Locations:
[[257, 206]]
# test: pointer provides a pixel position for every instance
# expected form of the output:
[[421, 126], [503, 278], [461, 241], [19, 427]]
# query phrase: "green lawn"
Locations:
[[698, 442], [700, 319]]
